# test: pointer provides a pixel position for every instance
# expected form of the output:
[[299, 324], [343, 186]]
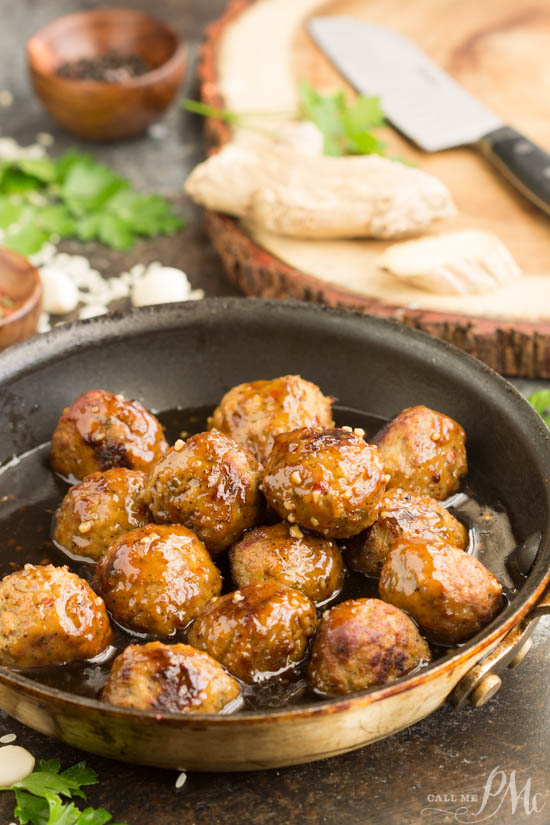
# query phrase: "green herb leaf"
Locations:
[[27, 240], [88, 185], [541, 402], [31, 809], [44, 169], [205, 110]]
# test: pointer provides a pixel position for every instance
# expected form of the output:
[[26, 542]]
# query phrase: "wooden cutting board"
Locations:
[[252, 60]]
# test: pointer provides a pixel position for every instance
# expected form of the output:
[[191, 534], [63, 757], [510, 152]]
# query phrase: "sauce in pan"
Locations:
[[30, 493]]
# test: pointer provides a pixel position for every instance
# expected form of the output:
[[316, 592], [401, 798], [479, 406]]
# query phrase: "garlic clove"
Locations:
[[15, 764], [161, 285]]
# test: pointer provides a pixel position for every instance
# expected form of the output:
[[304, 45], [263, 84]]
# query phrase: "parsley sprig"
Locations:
[[75, 196], [541, 402], [39, 796], [346, 128]]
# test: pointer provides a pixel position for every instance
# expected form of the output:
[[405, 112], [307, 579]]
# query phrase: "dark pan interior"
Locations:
[[188, 355]]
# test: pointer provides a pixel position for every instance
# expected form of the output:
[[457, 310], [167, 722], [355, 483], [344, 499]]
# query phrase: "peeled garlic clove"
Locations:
[[15, 764], [455, 263], [160, 285], [60, 295]]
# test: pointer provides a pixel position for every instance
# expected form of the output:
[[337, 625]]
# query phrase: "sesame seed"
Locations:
[[238, 597], [359, 431], [8, 738], [347, 429], [387, 477], [291, 517], [435, 436], [95, 409], [295, 532], [315, 521], [184, 434], [288, 505], [85, 527], [295, 477], [316, 495], [179, 445]]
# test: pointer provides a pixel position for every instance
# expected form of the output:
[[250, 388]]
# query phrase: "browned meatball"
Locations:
[[402, 516], [210, 484], [50, 616], [284, 554], [101, 430], [173, 678], [362, 643], [156, 578], [330, 481], [423, 452], [253, 414], [257, 631], [101, 508], [449, 593]]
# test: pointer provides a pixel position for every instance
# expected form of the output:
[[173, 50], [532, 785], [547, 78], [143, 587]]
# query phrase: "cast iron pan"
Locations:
[[191, 354]]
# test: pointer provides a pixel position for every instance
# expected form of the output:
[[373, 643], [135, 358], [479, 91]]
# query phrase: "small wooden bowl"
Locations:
[[20, 280], [100, 111]]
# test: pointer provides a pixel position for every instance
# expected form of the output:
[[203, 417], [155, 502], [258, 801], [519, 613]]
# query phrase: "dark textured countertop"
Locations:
[[393, 782]]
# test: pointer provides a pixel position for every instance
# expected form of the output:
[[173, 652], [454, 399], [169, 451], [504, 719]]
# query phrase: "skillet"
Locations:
[[190, 355]]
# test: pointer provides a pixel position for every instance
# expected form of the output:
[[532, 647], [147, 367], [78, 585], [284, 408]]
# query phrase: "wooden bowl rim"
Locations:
[[34, 296], [175, 62]]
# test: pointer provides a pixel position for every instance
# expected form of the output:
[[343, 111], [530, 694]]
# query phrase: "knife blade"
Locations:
[[426, 104]]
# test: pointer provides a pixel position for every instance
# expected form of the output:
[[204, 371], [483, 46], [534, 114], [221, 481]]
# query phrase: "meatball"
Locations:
[[50, 616], [156, 578], [449, 593], [257, 631], [362, 643], [253, 414], [101, 430], [97, 511], [210, 484], [423, 452], [330, 481], [284, 554], [173, 678], [402, 516]]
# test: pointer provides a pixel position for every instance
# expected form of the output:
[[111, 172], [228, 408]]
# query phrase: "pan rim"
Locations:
[[35, 353]]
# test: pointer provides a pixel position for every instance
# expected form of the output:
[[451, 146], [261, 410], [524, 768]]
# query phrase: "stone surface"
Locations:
[[416, 776]]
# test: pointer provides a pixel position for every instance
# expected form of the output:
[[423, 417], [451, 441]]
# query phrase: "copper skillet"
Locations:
[[190, 354]]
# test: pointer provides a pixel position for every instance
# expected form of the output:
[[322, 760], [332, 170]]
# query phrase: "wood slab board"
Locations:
[[497, 49]]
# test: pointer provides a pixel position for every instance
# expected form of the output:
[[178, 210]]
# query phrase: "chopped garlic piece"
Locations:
[[60, 295], [161, 285], [455, 263]]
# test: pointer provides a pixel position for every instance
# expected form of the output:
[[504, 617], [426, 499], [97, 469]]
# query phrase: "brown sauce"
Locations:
[[30, 494]]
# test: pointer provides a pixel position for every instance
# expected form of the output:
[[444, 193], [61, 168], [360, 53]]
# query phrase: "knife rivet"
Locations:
[[523, 147]]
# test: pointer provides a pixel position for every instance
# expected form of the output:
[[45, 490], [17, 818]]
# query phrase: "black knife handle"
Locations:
[[521, 161]]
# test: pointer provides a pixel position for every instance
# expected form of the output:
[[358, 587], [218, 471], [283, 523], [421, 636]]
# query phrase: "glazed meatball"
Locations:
[[97, 511], [362, 643], [253, 414], [210, 484], [156, 578], [173, 678], [402, 516], [257, 631], [284, 554], [329, 481], [101, 430], [423, 452], [449, 593], [50, 616]]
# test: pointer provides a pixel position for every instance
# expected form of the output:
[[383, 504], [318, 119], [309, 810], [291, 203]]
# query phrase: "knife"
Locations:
[[426, 104]]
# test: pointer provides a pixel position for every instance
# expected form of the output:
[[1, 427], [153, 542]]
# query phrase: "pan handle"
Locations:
[[482, 682]]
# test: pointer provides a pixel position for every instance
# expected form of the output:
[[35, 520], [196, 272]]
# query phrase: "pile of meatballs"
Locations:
[[294, 500]]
